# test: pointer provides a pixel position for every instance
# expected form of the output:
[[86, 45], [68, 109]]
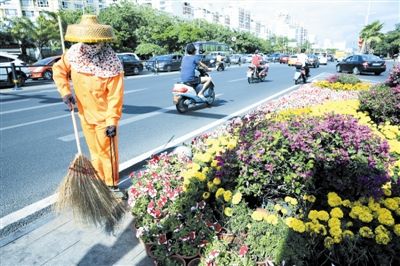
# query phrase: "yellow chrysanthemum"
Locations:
[[277, 207], [257, 215], [333, 222], [206, 195], [291, 200], [334, 200], [296, 224], [385, 217], [271, 219], [227, 195], [396, 229], [237, 198], [216, 181], [200, 176], [366, 232], [336, 212], [323, 215], [228, 211], [348, 234], [219, 192], [391, 204]]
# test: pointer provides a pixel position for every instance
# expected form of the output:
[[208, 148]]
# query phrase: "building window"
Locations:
[[26, 3], [78, 6], [10, 12], [64, 4], [227, 20], [187, 9], [28, 14], [90, 2], [42, 3]]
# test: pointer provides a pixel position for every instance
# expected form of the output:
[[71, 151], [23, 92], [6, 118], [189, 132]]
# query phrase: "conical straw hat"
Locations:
[[89, 30]]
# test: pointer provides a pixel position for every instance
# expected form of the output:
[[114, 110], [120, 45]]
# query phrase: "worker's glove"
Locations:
[[69, 100], [111, 131]]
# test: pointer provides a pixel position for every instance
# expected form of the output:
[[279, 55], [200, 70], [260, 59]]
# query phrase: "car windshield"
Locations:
[[293, 56], [44, 61], [163, 57], [370, 57]]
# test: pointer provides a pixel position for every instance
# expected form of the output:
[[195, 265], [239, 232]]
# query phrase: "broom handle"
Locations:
[[78, 144]]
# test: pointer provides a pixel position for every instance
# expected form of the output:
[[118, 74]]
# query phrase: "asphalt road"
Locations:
[[37, 142]]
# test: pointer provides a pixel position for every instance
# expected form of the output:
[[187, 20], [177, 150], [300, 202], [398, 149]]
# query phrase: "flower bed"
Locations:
[[303, 180]]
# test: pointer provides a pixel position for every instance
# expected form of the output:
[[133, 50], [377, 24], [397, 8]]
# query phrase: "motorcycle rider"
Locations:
[[219, 60], [188, 66], [302, 59], [257, 60]]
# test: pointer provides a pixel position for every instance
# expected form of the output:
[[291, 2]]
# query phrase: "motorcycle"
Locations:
[[300, 75], [220, 66], [253, 74], [185, 95]]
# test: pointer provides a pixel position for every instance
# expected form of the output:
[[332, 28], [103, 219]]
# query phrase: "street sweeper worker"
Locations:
[[97, 78]]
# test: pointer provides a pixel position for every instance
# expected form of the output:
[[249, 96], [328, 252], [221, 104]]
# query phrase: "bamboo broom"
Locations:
[[86, 194]]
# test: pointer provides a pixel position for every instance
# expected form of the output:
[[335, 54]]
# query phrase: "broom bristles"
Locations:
[[89, 198]]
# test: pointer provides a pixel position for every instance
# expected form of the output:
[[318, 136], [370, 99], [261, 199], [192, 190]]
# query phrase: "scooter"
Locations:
[[220, 66], [185, 95], [256, 75], [300, 75]]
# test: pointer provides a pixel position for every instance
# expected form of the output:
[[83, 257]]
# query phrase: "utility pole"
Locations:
[[364, 44], [61, 32]]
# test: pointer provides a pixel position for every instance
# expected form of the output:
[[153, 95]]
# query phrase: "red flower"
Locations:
[[243, 250], [162, 239]]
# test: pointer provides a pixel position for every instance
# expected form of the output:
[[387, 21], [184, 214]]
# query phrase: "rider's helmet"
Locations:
[[190, 49], [303, 50]]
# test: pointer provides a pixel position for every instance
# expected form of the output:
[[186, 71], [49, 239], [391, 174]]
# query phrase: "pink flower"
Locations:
[[162, 239], [213, 254], [243, 250]]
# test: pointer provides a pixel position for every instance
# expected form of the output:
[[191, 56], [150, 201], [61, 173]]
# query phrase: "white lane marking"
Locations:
[[33, 122], [30, 108], [130, 120], [234, 80], [132, 91], [28, 210], [14, 101], [52, 104]]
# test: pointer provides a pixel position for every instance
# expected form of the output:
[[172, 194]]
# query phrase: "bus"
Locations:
[[211, 46], [210, 49]]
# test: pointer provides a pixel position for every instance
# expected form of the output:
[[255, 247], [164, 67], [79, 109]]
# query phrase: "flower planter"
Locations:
[[175, 258], [227, 237], [194, 262], [188, 258], [149, 250]]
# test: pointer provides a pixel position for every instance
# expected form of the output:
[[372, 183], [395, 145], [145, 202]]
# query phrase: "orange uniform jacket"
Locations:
[[99, 103]]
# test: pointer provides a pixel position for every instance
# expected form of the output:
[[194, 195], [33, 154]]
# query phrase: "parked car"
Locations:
[[292, 60], [364, 63], [247, 58], [274, 57], [283, 59], [131, 65], [323, 60], [43, 68], [168, 62], [236, 59], [6, 77], [131, 54], [313, 60]]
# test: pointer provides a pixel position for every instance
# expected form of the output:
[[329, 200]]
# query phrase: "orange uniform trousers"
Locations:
[[99, 102]]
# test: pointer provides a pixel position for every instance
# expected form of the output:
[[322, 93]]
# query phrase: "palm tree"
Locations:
[[371, 34]]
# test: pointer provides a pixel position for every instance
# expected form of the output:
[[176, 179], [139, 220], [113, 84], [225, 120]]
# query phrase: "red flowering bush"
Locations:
[[394, 76]]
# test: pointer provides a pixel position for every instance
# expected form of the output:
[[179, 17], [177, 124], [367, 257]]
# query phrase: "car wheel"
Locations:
[[338, 69], [169, 69], [136, 70], [356, 71], [377, 73], [48, 75]]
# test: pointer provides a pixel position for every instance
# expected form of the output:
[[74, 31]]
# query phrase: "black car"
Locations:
[[131, 65], [168, 62], [364, 63]]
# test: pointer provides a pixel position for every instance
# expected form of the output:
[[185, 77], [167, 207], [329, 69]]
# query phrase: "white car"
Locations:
[[6, 77], [131, 54], [323, 60]]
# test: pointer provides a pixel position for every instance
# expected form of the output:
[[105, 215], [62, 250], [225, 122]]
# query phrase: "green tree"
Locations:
[[45, 31], [20, 29], [149, 49], [371, 35]]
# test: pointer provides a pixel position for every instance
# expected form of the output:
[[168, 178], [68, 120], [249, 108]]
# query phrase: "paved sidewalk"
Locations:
[[59, 241]]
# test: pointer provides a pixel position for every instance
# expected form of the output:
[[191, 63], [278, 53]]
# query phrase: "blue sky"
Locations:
[[337, 20]]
